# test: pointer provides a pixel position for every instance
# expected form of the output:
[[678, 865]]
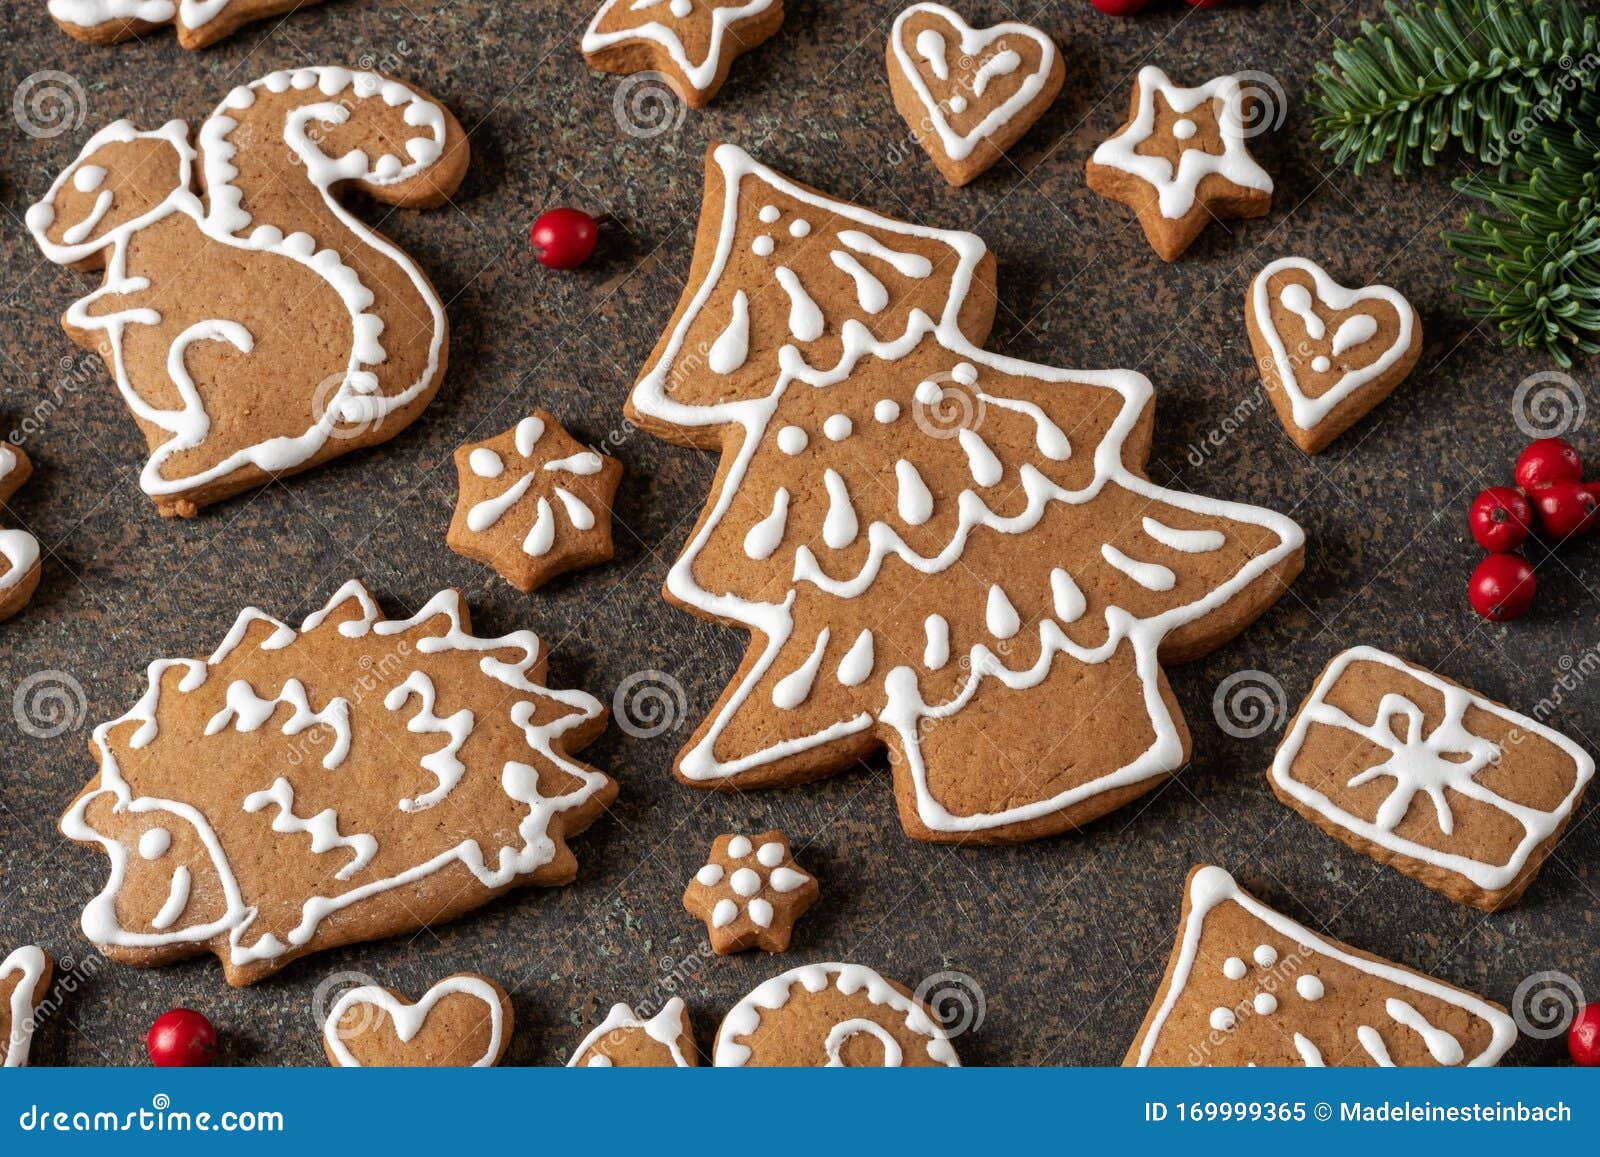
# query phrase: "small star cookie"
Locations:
[[1180, 160], [624, 1040], [534, 503], [463, 1021], [24, 981], [750, 893], [19, 550], [692, 43]]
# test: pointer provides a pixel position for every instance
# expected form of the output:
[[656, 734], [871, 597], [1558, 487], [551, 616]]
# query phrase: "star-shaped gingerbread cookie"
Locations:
[[534, 503], [19, 550], [1181, 158], [692, 43], [750, 893]]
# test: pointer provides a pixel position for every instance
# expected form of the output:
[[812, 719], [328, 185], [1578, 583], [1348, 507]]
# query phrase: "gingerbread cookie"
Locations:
[[1247, 985], [969, 94], [1181, 160], [464, 1021], [19, 550], [533, 502], [691, 43], [1420, 773], [932, 546], [750, 893], [260, 329], [24, 982], [625, 1041], [829, 1016], [1327, 354], [198, 22], [359, 778]]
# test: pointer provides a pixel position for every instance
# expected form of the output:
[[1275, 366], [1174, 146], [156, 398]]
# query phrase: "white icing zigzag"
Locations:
[[224, 221]]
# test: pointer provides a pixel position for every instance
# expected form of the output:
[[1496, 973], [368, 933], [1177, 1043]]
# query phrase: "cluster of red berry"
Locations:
[[1551, 497]]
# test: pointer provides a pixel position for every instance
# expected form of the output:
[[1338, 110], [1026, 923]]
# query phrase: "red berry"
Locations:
[[1502, 587], [564, 238], [1548, 460], [1500, 519], [181, 1038], [1120, 7], [1583, 1037], [1565, 508]]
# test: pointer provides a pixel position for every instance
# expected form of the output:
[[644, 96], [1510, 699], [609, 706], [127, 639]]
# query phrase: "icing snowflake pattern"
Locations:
[[750, 893]]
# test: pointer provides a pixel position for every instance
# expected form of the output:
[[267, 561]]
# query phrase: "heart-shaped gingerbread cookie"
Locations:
[[967, 93], [463, 1021], [1327, 354]]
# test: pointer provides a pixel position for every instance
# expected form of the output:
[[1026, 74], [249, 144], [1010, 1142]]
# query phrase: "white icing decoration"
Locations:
[[701, 74], [1265, 955], [839, 1034], [739, 847], [871, 294], [914, 501], [323, 828], [19, 548], [745, 882], [799, 228], [760, 913], [1211, 887], [981, 461], [1234, 968], [770, 855], [887, 410], [527, 435], [1187, 541], [1068, 600], [763, 246], [1417, 765], [485, 463], [912, 265], [408, 1019], [838, 427], [665, 1028], [710, 875], [792, 440], [1176, 190], [1373, 1043], [724, 913], [931, 47], [154, 843], [1184, 128], [784, 880], [1309, 987], [973, 42], [1265, 1004], [1310, 1055], [1443, 1047], [542, 534], [249, 712], [1000, 616], [857, 662], [1353, 331], [765, 536], [30, 961], [848, 979], [578, 512], [937, 652], [223, 220], [443, 763], [1150, 575], [1309, 412], [805, 317], [840, 526], [769, 214], [1222, 1019], [177, 901], [584, 463], [795, 687], [732, 348]]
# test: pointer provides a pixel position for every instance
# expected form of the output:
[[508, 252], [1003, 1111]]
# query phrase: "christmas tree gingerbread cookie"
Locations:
[[259, 329], [1420, 773], [464, 1021], [932, 546], [19, 550], [355, 779], [1181, 160], [968, 94], [198, 22], [626, 1041], [691, 43], [1327, 354], [24, 983], [533, 503], [832, 1016], [1246, 985]]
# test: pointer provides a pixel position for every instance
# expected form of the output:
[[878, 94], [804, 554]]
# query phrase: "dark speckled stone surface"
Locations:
[[1067, 938]]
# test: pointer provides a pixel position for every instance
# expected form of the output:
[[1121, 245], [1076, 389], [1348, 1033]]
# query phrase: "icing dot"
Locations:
[[745, 882], [886, 411], [792, 440], [710, 875], [1320, 364], [1233, 968], [1265, 1004], [769, 214], [761, 913], [486, 463], [725, 913], [799, 227], [1183, 129], [1265, 955], [1222, 1019], [154, 843], [598, 1061], [739, 847], [928, 393], [1309, 987], [838, 428], [958, 104], [966, 373], [89, 178], [762, 246], [770, 855], [681, 8]]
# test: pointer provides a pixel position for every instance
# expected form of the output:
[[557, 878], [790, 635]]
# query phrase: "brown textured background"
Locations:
[[1067, 938]]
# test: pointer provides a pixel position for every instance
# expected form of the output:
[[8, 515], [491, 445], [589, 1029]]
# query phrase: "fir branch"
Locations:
[[1472, 71], [1533, 259]]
